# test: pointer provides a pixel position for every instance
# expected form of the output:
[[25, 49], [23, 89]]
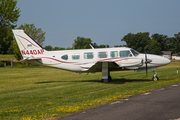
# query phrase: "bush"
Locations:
[[1, 64]]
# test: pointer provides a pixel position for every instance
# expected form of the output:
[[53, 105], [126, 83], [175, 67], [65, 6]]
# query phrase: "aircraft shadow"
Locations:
[[68, 81], [114, 81], [124, 80]]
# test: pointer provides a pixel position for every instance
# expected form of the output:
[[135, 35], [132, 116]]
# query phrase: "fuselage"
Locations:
[[82, 60]]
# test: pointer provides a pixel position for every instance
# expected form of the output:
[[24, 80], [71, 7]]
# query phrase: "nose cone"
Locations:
[[158, 60], [164, 61]]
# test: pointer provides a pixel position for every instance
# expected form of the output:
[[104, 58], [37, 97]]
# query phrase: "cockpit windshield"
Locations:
[[135, 53]]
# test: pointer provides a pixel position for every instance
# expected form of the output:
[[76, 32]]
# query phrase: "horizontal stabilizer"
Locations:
[[33, 61], [31, 58]]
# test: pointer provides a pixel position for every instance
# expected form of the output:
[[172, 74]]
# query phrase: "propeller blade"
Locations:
[[146, 62]]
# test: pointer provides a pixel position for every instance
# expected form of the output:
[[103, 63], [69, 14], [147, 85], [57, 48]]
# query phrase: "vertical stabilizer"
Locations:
[[28, 47]]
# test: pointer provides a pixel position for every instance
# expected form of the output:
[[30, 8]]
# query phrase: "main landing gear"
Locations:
[[105, 73], [155, 78], [107, 80]]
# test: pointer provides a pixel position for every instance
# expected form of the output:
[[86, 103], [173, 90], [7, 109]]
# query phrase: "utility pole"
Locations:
[[11, 62]]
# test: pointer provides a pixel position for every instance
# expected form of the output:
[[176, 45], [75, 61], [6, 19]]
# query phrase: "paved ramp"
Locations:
[[161, 104]]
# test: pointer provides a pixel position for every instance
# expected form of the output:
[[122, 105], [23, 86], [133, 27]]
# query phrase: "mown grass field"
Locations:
[[7, 56], [46, 93]]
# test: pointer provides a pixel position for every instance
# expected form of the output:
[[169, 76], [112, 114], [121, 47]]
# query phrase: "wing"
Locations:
[[97, 67], [114, 64]]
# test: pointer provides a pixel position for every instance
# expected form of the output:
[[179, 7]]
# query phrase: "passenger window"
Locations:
[[65, 57], [89, 55], [125, 53], [114, 54], [75, 56], [102, 55]]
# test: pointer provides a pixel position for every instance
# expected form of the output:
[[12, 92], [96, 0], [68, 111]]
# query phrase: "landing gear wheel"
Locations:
[[107, 80], [155, 78]]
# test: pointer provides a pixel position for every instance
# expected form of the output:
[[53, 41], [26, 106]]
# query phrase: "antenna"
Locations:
[[91, 46]]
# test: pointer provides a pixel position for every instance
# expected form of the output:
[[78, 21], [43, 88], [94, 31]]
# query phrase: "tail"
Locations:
[[28, 47]]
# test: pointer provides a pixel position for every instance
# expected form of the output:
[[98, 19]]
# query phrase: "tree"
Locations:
[[35, 33], [120, 45], [177, 42], [103, 46], [137, 41], [16, 50], [48, 48], [56, 48], [95, 45], [174, 43], [171, 44], [99, 46], [162, 39], [82, 43], [153, 47], [9, 15]]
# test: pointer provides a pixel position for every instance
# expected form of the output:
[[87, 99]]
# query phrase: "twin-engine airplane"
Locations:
[[89, 60]]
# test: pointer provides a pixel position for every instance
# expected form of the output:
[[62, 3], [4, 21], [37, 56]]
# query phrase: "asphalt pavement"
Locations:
[[160, 104]]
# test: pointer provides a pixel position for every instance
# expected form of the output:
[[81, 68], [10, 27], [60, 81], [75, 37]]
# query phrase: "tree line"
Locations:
[[141, 42], [154, 44], [79, 43]]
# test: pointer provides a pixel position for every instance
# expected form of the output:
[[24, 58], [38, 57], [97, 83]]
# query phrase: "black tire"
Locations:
[[155, 78], [109, 78], [105, 80]]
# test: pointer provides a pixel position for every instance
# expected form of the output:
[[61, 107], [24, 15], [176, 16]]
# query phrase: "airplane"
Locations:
[[89, 60]]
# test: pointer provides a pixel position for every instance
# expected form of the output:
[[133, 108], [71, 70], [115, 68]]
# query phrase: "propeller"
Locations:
[[146, 62]]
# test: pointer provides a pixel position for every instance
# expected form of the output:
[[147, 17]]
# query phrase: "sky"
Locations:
[[104, 21]]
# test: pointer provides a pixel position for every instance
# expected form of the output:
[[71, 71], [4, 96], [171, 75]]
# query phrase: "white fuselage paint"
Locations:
[[54, 59], [87, 60]]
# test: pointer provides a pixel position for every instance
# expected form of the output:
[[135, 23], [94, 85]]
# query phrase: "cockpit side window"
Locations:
[[125, 53], [65, 57], [135, 53]]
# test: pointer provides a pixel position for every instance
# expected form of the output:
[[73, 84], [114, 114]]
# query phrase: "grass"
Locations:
[[39, 92], [7, 56]]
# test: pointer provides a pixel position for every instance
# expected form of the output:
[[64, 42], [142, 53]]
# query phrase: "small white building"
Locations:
[[176, 56], [166, 54]]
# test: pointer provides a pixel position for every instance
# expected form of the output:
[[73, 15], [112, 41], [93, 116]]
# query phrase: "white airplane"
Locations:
[[89, 60]]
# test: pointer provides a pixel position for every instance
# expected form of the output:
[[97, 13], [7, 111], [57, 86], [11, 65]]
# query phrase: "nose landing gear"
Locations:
[[155, 78]]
